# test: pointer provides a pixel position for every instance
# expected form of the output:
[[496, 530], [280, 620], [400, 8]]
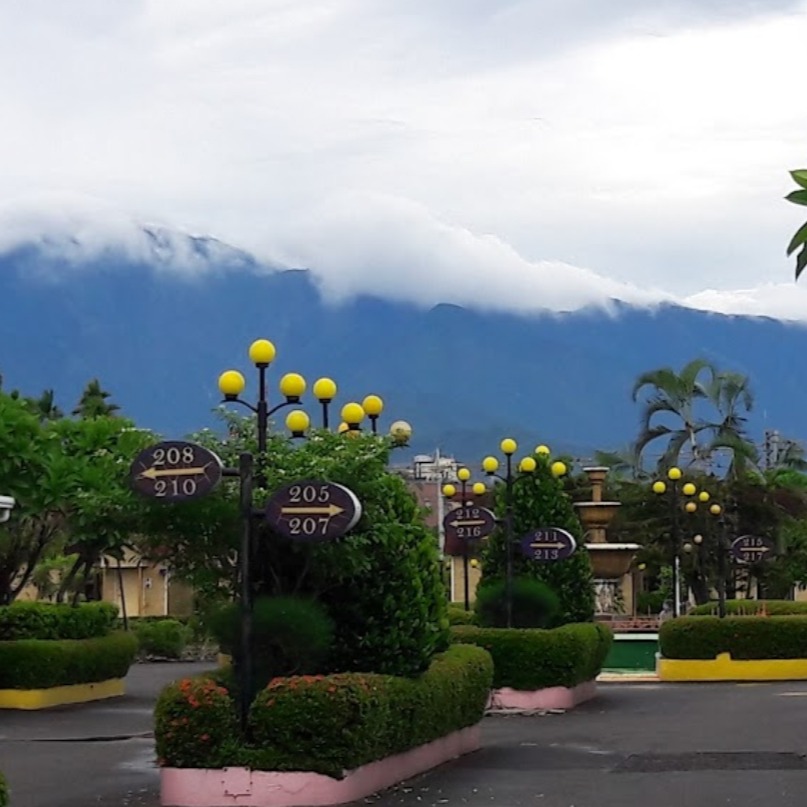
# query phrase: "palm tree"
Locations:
[[625, 464], [93, 402], [673, 398], [730, 394], [45, 406]]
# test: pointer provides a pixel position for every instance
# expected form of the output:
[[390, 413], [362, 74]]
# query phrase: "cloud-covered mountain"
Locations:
[[158, 337]]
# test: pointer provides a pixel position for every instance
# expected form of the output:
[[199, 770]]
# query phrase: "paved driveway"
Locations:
[[636, 745]]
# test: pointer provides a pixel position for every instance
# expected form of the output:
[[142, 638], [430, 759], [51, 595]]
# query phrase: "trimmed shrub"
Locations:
[[650, 602], [164, 638], [44, 620], [531, 658], [291, 636], [3, 792], [744, 637], [43, 663], [457, 615], [328, 724], [752, 608], [534, 604], [539, 499], [195, 724]]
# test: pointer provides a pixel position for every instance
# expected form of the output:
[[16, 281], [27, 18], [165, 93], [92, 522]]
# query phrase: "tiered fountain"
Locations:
[[613, 585]]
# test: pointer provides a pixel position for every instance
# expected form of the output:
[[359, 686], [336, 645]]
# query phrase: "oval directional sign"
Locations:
[[752, 548], [468, 523], [313, 510], [175, 471], [548, 544]]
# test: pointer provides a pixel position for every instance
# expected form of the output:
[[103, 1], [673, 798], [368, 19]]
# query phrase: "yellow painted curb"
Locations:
[[61, 696], [724, 668]]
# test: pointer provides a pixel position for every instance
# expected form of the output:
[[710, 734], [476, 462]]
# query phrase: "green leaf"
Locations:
[[798, 239], [797, 197], [800, 177], [801, 261]]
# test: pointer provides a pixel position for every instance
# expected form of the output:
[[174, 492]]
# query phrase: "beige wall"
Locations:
[[458, 580]]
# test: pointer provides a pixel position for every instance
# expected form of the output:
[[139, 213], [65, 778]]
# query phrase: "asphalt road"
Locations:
[[636, 745]]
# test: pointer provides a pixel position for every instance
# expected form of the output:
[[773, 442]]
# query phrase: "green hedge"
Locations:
[[753, 607], [44, 620], [745, 637], [163, 638], [532, 658], [457, 615], [328, 724], [3, 792], [41, 663]]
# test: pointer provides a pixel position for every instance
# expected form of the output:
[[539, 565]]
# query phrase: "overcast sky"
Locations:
[[507, 153]]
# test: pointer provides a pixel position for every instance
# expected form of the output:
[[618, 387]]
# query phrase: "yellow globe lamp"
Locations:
[[372, 405], [689, 489], [690, 507], [463, 474], [261, 352], [490, 465], [353, 415], [342, 428], [542, 451], [641, 567], [698, 539], [231, 384], [527, 465], [558, 468], [449, 491], [400, 432], [674, 474], [704, 496], [297, 422], [659, 487], [508, 446], [292, 386], [474, 563], [479, 489], [715, 509], [324, 390]]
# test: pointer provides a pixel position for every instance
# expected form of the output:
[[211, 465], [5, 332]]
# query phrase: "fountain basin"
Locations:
[[611, 561], [596, 515]]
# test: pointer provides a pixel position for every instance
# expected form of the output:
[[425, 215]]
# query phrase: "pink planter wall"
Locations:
[[192, 787], [541, 699]]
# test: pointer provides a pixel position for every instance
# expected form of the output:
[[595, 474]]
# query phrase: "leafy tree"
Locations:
[[69, 479], [45, 406], [94, 402], [540, 501]]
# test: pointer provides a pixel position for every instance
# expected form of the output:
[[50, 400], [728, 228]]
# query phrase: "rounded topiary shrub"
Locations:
[[540, 501], [535, 605], [291, 636], [380, 583]]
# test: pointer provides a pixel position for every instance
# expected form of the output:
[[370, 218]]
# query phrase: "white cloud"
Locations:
[[486, 148]]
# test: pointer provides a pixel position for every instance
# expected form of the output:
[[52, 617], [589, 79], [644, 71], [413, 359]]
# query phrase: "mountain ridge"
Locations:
[[464, 377]]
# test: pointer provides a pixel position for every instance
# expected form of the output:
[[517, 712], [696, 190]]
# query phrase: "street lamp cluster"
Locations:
[[526, 466], [292, 387], [691, 498], [450, 491]]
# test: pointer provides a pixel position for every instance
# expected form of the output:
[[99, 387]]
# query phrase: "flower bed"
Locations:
[[336, 726], [52, 655], [559, 665], [702, 648]]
